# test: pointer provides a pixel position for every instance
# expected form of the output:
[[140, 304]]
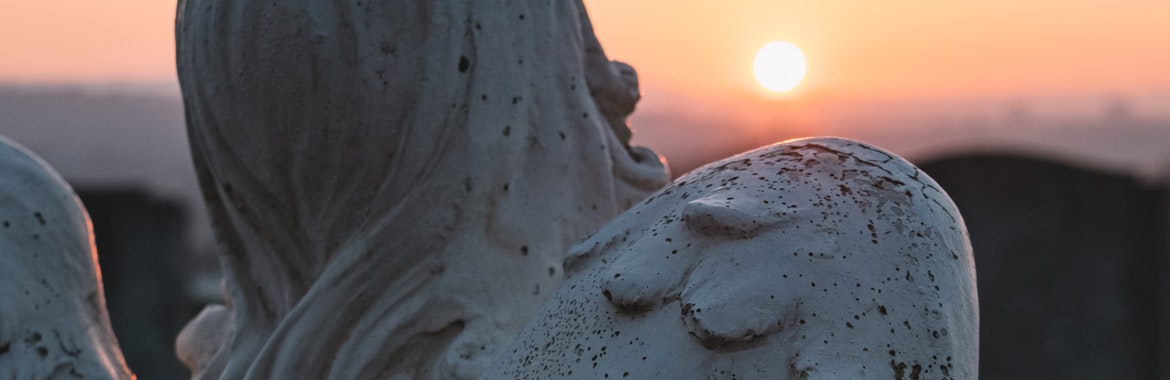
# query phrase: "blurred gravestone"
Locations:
[[1071, 267], [141, 248]]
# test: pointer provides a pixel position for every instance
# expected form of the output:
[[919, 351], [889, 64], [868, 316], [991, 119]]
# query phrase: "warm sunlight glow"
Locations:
[[779, 66]]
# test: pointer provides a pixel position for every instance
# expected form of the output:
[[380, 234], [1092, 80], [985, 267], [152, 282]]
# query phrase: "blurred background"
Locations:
[[1048, 122]]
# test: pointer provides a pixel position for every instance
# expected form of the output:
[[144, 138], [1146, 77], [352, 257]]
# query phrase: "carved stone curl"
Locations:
[[53, 319], [820, 258]]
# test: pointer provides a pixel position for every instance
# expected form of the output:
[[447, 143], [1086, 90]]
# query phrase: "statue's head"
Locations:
[[53, 320], [394, 186], [819, 257]]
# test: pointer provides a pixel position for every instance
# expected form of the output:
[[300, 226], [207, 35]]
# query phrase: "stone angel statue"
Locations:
[[397, 185]]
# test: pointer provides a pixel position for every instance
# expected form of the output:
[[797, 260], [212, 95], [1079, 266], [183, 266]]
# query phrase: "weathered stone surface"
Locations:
[[396, 182], [812, 259], [53, 320]]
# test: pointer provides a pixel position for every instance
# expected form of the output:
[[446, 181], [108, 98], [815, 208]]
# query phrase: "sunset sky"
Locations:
[[900, 48], [87, 41], [884, 72], [856, 49]]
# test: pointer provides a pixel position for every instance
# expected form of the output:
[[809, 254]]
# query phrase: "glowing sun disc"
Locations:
[[779, 66]]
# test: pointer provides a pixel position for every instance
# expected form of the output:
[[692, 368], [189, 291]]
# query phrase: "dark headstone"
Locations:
[[142, 247], [1071, 267]]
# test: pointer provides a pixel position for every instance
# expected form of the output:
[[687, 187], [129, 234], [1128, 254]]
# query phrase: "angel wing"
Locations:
[[53, 318]]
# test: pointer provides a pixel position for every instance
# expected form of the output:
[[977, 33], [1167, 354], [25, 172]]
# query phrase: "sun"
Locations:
[[779, 66]]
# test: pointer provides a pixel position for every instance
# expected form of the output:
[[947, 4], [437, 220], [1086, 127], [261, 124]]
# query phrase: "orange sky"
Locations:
[[900, 48], [856, 49], [86, 41]]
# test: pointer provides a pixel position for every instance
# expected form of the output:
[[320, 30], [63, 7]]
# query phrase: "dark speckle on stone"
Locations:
[[464, 64]]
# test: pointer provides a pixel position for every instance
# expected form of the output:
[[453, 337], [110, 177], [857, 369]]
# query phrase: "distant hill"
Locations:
[[1128, 137], [136, 137]]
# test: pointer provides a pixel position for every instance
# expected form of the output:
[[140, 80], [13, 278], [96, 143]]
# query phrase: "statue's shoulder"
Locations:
[[823, 256]]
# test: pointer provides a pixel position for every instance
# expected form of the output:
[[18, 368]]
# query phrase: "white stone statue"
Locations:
[[395, 183], [53, 319], [820, 258]]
